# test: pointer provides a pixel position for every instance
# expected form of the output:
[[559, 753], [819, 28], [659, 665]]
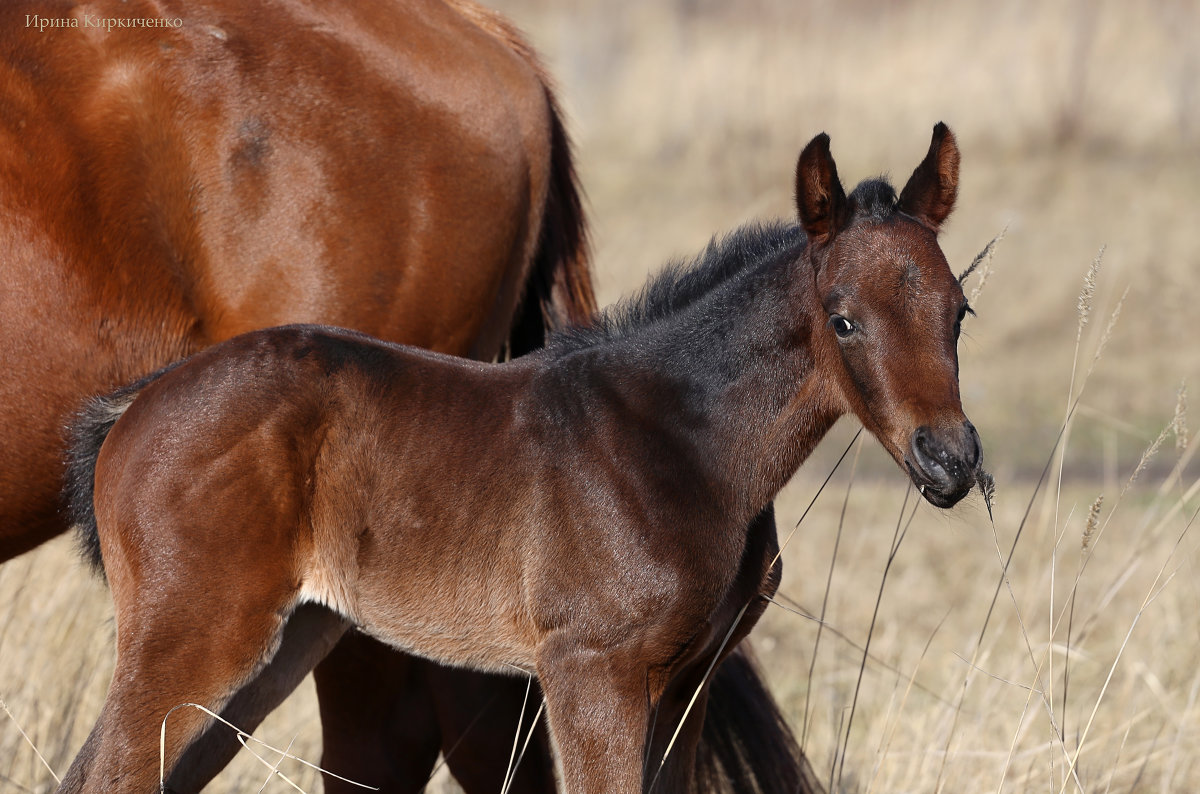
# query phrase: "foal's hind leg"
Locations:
[[177, 643], [310, 633]]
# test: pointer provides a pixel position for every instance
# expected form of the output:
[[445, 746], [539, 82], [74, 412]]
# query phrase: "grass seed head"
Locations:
[[987, 487], [1180, 421], [1093, 520], [1088, 293], [982, 262], [1108, 330]]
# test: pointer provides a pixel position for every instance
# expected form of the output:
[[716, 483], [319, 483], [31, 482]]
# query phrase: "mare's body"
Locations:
[[384, 169], [398, 168], [597, 512]]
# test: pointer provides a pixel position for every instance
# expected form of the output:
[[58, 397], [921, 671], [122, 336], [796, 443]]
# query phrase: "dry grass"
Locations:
[[1014, 732], [1079, 125]]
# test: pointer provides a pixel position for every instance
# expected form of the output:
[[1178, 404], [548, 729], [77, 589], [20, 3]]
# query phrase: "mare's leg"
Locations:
[[378, 723], [478, 715], [310, 633], [178, 641], [596, 701], [386, 714]]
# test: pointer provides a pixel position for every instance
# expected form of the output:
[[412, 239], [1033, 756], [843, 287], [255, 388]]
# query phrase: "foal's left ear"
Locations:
[[931, 190], [820, 199]]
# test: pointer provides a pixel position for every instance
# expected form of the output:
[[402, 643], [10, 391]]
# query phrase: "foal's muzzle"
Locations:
[[943, 464]]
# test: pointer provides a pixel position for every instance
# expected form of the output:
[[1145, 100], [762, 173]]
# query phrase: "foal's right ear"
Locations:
[[931, 190], [820, 199]]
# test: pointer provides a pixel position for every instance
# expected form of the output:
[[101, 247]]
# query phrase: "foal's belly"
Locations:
[[458, 601]]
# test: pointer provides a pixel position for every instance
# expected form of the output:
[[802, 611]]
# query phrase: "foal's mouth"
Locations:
[[941, 495]]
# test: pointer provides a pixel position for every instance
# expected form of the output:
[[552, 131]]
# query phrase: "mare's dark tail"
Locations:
[[558, 291], [746, 746], [85, 435]]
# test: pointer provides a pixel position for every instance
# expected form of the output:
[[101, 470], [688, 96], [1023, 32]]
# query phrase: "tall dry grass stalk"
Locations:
[[1108, 331], [32, 746], [890, 733], [816, 649], [515, 760], [246, 740], [1180, 422], [1152, 593], [1083, 308], [902, 527]]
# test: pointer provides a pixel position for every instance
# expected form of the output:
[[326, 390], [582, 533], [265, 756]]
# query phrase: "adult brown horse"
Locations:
[[399, 168], [597, 511]]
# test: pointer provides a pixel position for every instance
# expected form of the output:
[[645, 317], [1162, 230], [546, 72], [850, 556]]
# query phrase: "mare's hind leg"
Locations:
[[385, 715], [310, 633], [177, 642], [478, 715], [673, 772], [378, 723]]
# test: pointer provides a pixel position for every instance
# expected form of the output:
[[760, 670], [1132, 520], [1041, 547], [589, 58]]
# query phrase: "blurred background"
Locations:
[[1079, 124]]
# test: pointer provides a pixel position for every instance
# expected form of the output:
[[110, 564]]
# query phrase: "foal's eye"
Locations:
[[963, 311], [841, 326]]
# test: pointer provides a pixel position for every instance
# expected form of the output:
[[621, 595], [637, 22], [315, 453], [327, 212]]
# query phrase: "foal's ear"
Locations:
[[820, 199], [931, 190]]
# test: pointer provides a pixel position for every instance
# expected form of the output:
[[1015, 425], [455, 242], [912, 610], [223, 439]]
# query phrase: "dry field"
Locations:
[[1080, 128]]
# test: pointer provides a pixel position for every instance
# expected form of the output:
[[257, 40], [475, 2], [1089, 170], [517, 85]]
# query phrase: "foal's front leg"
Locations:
[[597, 707]]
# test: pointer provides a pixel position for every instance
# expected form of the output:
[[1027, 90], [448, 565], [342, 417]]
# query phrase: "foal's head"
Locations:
[[892, 309]]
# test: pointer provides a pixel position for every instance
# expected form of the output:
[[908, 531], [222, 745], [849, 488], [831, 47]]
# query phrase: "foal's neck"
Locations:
[[743, 372]]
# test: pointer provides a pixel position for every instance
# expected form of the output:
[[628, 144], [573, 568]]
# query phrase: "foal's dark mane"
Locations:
[[718, 275], [683, 283]]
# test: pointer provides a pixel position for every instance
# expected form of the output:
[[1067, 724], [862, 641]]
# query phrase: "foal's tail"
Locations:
[[746, 746], [85, 435]]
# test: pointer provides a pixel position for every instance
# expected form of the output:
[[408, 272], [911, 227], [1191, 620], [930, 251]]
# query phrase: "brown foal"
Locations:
[[597, 512]]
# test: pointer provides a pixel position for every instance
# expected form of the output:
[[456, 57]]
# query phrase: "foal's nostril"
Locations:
[[927, 452], [974, 447]]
